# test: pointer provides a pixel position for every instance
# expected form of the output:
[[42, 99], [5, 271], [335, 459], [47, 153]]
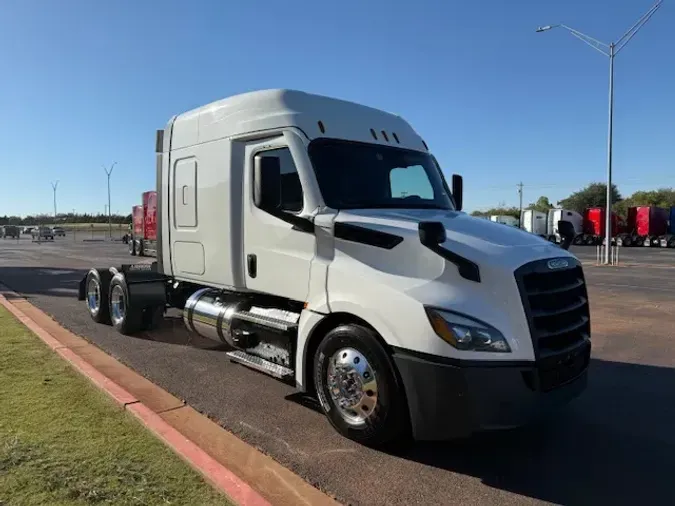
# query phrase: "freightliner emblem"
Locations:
[[557, 263]]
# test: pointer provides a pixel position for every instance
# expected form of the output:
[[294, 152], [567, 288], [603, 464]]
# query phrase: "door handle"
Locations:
[[252, 265]]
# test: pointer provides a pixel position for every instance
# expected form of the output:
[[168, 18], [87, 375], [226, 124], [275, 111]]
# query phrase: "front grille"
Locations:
[[556, 305]]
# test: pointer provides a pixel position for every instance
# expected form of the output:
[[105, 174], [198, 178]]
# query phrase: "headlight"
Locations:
[[466, 334]]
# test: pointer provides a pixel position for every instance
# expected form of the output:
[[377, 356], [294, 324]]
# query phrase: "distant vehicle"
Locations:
[[668, 240], [28, 230], [594, 227], [59, 231], [143, 241], [504, 219], [11, 231], [557, 215], [646, 225], [535, 222], [40, 233]]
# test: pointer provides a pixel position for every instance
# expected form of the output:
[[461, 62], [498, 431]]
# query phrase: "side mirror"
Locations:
[[267, 182], [457, 190], [566, 231]]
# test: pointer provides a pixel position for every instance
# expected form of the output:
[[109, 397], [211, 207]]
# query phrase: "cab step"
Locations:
[[261, 365], [273, 322]]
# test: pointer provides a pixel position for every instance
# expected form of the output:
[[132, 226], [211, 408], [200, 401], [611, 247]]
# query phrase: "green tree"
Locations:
[[661, 197], [502, 211], [593, 195], [542, 205]]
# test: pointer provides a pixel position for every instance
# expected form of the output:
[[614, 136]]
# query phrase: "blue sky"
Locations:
[[88, 83]]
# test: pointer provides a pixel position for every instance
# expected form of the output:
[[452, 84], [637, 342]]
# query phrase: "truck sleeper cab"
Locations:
[[319, 240]]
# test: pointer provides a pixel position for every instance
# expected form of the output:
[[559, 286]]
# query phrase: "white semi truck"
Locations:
[[318, 239]]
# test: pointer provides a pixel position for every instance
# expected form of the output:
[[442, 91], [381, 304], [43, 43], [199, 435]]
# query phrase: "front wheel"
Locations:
[[358, 388]]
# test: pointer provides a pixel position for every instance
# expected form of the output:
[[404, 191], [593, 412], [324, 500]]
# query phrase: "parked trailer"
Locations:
[[594, 226], [668, 240], [504, 219], [144, 226], [646, 225], [401, 313], [534, 222], [573, 217]]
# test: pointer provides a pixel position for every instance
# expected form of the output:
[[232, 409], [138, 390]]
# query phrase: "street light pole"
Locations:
[[54, 186], [609, 50], [610, 128], [108, 173]]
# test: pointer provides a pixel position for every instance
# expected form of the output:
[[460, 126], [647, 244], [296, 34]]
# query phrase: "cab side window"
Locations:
[[290, 189]]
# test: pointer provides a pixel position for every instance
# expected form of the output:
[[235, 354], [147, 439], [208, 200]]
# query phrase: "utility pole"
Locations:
[[609, 50], [108, 173], [54, 186], [520, 196]]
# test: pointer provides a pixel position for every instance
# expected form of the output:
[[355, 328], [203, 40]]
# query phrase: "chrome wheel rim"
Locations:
[[93, 296], [117, 304], [352, 384]]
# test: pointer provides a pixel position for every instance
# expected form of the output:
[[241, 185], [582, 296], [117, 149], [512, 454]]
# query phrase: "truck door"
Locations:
[[277, 254]]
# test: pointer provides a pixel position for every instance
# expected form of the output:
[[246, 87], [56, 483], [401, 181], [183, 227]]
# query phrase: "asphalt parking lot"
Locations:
[[614, 445]]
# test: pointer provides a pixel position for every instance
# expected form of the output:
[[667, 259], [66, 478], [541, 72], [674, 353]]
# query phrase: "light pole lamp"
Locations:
[[609, 50]]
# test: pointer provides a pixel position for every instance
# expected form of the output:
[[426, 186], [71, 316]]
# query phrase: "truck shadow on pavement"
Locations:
[[614, 445], [51, 281]]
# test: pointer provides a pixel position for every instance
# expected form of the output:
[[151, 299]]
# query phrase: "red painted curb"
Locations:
[[218, 475], [119, 394]]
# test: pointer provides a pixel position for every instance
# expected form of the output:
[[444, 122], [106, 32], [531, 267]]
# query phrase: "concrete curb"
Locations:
[[220, 477]]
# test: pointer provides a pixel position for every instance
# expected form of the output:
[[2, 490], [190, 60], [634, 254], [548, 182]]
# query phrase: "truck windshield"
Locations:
[[355, 175]]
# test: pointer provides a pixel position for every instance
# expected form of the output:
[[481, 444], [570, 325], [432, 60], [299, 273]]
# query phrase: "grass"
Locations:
[[63, 442]]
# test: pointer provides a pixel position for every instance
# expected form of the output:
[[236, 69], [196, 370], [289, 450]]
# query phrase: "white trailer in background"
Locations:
[[556, 215], [535, 222], [504, 219]]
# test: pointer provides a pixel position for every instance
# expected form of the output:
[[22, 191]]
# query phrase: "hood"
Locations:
[[459, 226], [472, 237]]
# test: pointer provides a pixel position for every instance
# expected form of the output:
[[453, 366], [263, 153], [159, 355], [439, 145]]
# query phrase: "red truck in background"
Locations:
[[143, 240], [646, 225], [594, 226]]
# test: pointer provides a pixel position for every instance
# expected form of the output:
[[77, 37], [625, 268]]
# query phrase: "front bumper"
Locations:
[[451, 399]]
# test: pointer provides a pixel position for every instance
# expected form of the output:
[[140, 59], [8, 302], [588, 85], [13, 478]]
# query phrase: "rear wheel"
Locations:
[[126, 318], [357, 386], [97, 285]]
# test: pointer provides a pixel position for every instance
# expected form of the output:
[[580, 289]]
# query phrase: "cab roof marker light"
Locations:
[[384, 134], [321, 127], [372, 131]]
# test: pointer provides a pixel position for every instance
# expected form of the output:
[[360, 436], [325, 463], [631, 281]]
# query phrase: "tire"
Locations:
[[96, 289], [132, 247], [383, 418], [125, 317]]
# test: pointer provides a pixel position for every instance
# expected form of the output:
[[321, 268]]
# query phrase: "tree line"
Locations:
[[64, 219], [593, 195]]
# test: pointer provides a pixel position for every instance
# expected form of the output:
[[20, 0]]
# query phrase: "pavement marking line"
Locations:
[[225, 450], [219, 476]]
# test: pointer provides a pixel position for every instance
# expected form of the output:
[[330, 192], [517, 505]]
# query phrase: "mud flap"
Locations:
[[81, 288]]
